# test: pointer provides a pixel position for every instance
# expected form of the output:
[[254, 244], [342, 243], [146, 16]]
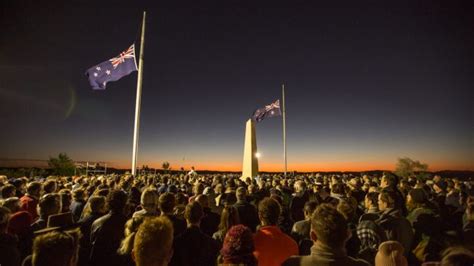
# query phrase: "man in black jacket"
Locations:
[[193, 247], [247, 212], [107, 231]]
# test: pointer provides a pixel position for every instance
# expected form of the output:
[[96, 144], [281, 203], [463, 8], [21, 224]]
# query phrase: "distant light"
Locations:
[[258, 155]]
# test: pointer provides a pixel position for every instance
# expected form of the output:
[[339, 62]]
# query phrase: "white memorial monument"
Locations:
[[250, 163]]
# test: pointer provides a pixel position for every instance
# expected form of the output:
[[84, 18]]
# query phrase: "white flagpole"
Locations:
[[284, 124], [138, 98]]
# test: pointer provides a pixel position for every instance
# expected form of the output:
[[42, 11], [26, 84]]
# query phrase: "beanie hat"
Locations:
[[19, 223], [238, 246]]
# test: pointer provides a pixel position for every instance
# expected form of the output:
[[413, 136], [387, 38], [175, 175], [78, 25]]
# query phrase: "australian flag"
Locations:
[[113, 69], [270, 110]]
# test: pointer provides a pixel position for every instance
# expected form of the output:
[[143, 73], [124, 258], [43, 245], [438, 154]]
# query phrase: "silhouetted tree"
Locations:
[[407, 167], [62, 165]]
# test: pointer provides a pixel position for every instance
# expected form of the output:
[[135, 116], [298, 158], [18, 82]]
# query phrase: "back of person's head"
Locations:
[[8, 191], [49, 186], [78, 194], [346, 209], [97, 204], [116, 201], [193, 213], [229, 217], [203, 200], [390, 253], [372, 198], [34, 188], [338, 188], [457, 256], [329, 226], [269, 211], [241, 193], [65, 198], [149, 199], [56, 248], [309, 207], [153, 242], [131, 228], [49, 204], [12, 203], [167, 202], [238, 246]]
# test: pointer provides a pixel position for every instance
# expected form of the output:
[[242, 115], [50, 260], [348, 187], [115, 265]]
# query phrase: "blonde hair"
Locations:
[[390, 254], [131, 228], [153, 241]]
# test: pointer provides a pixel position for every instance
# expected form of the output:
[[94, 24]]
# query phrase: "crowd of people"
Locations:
[[222, 219]]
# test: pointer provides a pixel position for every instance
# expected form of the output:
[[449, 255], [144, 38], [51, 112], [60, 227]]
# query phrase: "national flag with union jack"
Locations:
[[270, 110], [112, 69]]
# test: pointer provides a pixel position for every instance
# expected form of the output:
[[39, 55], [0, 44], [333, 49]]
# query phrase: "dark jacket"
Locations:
[[297, 205], [106, 234], [9, 253], [179, 225], [323, 255], [247, 214], [85, 242], [194, 248], [209, 222], [300, 233], [76, 209], [397, 228]]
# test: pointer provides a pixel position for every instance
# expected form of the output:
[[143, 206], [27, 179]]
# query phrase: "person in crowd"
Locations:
[[8, 191], [50, 186], [272, 246], [167, 203], [229, 218], [193, 247], [392, 221], [210, 220], [19, 225], [329, 233], [457, 256], [78, 203], [49, 204], [247, 212], [107, 231], [301, 229], [30, 200], [97, 209], [390, 253], [65, 198], [371, 207], [12, 203], [153, 244], [9, 253], [468, 229], [389, 183], [57, 248], [126, 246], [238, 247], [149, 203], [299, 198]]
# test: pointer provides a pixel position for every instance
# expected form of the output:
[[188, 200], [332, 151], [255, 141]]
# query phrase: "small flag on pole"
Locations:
[[270, 110], [112, 69]]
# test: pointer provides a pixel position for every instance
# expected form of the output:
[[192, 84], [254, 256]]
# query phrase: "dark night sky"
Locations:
[[366, 83]]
